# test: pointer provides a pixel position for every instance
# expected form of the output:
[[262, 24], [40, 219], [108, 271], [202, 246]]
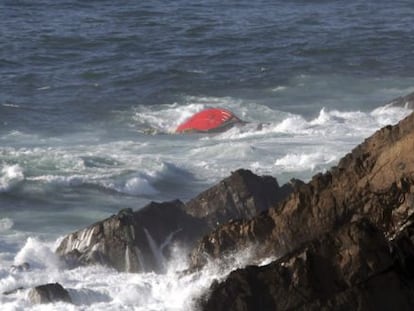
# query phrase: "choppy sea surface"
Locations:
[[91, 92]]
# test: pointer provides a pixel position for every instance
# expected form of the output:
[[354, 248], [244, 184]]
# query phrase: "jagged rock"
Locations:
[[402, 247], [139, 240], [347, 269], [132, 241], [240, 196], [403, 101], [48, 293], [375, 180]]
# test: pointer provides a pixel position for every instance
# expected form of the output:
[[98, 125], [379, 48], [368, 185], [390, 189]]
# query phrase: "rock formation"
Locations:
[[347, 269], [48, 293], [132, 241], [346, 239], [140, 240], [375, 180], [241, 196]]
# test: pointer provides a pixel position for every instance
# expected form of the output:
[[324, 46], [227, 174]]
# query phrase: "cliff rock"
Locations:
[[132, 241], [240, 196], [347, 269], [374, 181]]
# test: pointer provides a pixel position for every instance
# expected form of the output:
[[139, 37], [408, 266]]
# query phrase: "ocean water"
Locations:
[[91, 92]]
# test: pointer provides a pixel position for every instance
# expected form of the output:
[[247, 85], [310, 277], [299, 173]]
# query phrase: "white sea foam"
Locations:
[[6, 224], [138, 186], [102, 288], [38, 254], [305, 161], [279, 88], [11, 105], [10, 176]]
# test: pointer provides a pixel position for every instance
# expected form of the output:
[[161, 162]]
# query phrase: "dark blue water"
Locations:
[[75, 62]]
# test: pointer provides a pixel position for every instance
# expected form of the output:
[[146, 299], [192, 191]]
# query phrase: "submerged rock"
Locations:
[[48, 293], [141, 240]]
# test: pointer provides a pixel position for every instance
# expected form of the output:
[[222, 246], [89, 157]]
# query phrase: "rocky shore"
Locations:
[[342, 241]]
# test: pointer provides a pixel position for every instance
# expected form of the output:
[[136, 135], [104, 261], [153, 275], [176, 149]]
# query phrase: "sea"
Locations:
[[91, 93]]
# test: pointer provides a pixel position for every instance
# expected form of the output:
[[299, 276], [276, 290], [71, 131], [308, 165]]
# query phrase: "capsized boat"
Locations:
[[209, 120]]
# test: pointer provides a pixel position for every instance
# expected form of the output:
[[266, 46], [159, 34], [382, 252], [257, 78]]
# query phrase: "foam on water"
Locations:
[[102, 288], [128, 173], [97, 168], [272, 142], [5, 224], [294, 162], [10, 176]]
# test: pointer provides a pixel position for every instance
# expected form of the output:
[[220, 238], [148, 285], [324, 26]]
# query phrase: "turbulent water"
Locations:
[[91, 92]]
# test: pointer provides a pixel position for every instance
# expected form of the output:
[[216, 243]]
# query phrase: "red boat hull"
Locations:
[[209, 120]]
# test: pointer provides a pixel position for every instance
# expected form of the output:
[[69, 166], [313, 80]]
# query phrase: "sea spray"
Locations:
[[156, 251], [10, 176], [101, 288], [38, 254]]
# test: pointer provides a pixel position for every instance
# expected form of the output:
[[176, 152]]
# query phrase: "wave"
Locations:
[[103, 288], [6, 224], [148, 180], [272, 142], [11, 175], [313, 161], [263, 120], [328, 124]]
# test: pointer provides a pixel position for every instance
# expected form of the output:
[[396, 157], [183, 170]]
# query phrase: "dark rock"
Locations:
[[133, 241], [140, 240], [375, 180], [346, 269], [402, 247], [239, 196], [48, 293]]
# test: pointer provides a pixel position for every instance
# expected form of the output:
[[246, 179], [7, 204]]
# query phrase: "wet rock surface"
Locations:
[[240, 196], [348, 269], [132, 241], [49, 293], [346, 238], [141, 240], [375, 180]]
